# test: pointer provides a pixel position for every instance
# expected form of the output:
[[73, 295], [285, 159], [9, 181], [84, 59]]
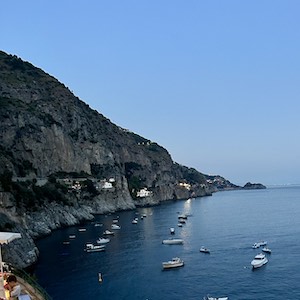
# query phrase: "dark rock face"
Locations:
[[47, 132], [253, 186]]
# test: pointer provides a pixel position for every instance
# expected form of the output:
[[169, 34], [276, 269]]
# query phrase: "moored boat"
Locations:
[[267, 250], [259, 260], [172, 241], [108, 232], [215, 298], [204, 250], [174, 263], [172, 230], [103, 240], [259, 244], [115, 226], [94, 248]]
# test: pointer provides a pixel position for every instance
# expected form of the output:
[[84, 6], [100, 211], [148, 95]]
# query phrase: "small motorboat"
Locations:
[[179, 225], [66, 242], [172, 230], [259, 260], [98, 224], [214, 298], [103, 241], [134, 221], [259, 244], [172, 241], [204, 250], [115, 226], [108, 232], [266, 250], [182, 221], [255, 245], [94, 248], [182, 216], [100, 277], [82, 229], [174, 263], [72, 236]]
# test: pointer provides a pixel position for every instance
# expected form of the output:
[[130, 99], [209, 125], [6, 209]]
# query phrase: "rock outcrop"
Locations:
[[254, 186]]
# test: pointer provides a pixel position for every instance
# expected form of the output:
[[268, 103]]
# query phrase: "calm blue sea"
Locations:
[[227, 223]]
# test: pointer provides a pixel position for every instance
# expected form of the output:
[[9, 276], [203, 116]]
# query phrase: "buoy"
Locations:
[[100, 277]]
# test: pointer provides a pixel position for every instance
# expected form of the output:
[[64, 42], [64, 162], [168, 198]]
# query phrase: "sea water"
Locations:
[[228, 223]]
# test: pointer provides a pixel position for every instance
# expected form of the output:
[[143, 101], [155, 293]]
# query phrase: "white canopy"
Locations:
[[7, 237]]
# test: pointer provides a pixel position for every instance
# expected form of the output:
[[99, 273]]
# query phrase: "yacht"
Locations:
[[174, 263], [172, 241], [259, 260], [94, 248]]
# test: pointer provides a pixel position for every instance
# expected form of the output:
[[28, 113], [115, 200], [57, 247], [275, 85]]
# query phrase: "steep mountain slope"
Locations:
[[61, 161]]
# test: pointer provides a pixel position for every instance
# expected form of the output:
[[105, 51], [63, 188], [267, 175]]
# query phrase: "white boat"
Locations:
[[94, 248], [259, 260], [98, 225], [259, 244], [172, 241], [107, 232], [82, 229], [134, 221], [115, 226], [174, 263], [181, 220], [255, 245], [267, 250], [179, 225], [72, 236], [103, 241], [204, 250], [172, 230], [215, 298], [182, 216]]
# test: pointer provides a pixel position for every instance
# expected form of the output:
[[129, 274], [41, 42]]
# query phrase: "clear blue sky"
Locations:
[[217, 83]]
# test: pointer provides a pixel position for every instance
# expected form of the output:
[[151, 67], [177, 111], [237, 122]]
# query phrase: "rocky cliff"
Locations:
[[62, 162]]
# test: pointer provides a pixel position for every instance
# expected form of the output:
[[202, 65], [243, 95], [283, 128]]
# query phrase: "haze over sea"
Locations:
[[228, 223]]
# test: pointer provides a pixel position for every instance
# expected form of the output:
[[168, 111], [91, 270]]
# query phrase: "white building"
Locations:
[[143, 193]]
